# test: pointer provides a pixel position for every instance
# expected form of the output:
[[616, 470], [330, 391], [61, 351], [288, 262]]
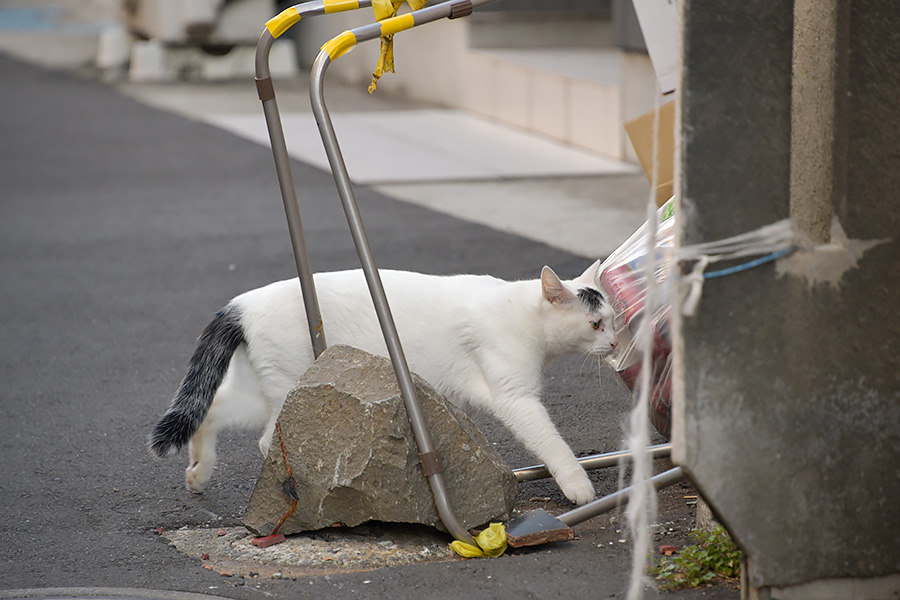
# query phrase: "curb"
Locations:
[[105, 593]]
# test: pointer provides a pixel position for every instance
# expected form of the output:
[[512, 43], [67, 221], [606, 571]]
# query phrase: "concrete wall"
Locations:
[[434, 63], [788, 378], [425, 58]]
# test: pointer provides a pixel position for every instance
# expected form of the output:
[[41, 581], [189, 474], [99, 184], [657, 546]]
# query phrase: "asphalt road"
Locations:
[[122, 230]]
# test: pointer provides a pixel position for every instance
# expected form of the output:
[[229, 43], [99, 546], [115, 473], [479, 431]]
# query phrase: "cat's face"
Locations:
[[581, 315], [599, 315]]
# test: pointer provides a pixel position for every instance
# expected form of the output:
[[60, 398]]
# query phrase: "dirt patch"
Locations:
[[229, 551], [373, 546]]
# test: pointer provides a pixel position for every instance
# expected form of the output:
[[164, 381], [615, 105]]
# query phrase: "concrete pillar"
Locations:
[[819, 73], [787, 382]]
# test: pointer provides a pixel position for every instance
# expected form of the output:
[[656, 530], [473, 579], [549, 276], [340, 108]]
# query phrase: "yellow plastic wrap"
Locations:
[[466, 550], [385, 61], [386, 9], [491, 542]]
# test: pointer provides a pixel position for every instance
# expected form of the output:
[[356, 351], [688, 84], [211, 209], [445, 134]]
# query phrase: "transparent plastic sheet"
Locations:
[[623, 279]]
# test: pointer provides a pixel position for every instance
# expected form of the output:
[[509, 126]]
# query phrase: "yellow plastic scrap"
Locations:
[[385, 61], [385, 9], [491, 542]]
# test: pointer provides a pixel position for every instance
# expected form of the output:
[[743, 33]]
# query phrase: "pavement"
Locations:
[[450, 161], [131, 213]]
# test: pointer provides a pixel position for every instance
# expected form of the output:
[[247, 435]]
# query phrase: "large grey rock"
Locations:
[[354, 457]]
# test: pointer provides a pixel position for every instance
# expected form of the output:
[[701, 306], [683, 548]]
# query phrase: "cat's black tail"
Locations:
[[204, 376]]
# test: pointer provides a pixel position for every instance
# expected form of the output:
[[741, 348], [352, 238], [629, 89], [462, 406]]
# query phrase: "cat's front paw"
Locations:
[[577, 486]]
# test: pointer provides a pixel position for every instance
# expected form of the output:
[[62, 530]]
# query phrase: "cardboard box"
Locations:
[[640, 132]]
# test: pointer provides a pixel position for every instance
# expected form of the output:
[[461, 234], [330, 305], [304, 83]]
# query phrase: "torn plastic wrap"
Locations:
[[623, 279]]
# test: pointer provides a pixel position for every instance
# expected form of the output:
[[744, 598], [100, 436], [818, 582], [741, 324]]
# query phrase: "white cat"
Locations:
[[481, 341]]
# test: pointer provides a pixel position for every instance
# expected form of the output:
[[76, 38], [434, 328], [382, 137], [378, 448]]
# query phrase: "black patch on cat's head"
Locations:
[[591, 298]]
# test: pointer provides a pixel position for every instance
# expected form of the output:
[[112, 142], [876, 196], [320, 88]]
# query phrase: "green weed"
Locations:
[[713, 556]]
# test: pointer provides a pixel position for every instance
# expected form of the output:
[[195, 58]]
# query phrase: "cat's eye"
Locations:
[[596, 324]]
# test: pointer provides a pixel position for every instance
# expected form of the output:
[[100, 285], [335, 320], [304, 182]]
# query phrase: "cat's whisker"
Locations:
[[600, 373], [587, 357], [604, 373]]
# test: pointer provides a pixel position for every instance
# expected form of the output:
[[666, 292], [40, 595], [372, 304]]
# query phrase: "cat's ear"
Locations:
[[553, 289], [590, 276]]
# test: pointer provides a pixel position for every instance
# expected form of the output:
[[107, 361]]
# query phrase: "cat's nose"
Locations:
[[613, 344]]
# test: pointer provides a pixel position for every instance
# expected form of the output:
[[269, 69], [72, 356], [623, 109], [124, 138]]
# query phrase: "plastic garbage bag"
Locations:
[[623, 278]]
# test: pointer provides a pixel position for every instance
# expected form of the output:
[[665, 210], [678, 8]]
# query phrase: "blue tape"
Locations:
[[749, 265]]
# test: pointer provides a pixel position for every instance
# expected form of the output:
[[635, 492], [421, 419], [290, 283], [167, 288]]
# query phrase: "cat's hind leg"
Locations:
[[278, 385], [202, 451], [238, 404], [265, 442]]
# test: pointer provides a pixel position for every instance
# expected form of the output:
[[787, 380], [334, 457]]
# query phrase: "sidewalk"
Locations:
[[446, 160]]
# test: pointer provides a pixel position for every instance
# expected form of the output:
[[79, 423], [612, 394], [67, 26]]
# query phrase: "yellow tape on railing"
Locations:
[[333, 6], [395, 24], [279, 24], [338, 46], [385, 9]]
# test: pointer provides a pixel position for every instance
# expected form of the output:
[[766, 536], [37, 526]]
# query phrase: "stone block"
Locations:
[[354, 458]]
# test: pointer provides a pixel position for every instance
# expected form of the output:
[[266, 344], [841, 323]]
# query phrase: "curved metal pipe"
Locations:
[[289, 193], [283, 162], [379, 298], [427, 453], [445, 10], [607, 503], [589, 463]]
